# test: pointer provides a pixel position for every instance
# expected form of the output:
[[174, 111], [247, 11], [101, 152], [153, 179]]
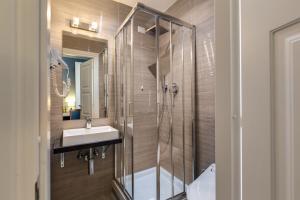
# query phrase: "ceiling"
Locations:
[[161, 5]]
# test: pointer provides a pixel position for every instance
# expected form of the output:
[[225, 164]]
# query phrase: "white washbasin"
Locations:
[[84, 136]]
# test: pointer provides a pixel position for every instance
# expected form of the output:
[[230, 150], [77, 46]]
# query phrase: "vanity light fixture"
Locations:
[[77, 23], [93, 26]]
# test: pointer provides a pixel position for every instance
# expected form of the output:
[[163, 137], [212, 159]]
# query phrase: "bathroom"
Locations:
[[149, 99], [181, 161]]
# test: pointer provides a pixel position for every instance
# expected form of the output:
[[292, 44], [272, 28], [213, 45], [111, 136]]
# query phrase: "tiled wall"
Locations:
[[73, 182], [201, 14]]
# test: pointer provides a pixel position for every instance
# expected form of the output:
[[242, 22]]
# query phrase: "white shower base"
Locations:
[[145, 184], [204, 187]]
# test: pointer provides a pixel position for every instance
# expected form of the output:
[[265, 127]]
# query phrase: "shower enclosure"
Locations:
[[154, 105]]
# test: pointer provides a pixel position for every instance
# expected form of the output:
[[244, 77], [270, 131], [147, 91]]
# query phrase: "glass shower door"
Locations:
[[175, 109], [177, 97], [124, 120], [154, 106], [145, 107], [164, 171], [172, 172], [128, 102], [119, 112]]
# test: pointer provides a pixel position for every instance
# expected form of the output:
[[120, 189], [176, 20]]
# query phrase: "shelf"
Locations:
[[58, 148]]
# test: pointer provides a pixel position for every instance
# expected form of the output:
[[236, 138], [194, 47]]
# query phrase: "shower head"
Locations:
[[164, 61], [152, 30]]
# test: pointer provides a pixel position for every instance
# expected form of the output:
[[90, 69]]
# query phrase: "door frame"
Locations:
[[273, 116], [227, 101], [235, 150], [274, 135], [45, 101], [20, 120]]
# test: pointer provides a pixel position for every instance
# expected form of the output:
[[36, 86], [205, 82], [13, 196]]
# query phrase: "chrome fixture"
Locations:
[[88, 122], [62, 160], [91, 162], [103, 152], [89, 156], [165, 88], [174, 89]]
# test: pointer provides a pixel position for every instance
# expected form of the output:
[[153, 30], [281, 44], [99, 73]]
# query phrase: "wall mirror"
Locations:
[[87, 59]]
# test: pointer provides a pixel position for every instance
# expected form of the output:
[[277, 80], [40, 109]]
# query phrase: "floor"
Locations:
[[145, 184]]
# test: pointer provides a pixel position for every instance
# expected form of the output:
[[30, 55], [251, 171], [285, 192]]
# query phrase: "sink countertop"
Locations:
[[86, 138]]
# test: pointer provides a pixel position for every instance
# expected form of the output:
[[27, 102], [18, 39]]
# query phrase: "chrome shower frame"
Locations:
[[172, 20]]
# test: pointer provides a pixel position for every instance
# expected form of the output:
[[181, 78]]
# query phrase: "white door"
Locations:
[[270, 99], [86, 88], [77, 85], [286, 58]]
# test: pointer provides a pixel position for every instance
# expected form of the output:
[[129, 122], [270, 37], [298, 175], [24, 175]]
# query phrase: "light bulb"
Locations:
[[93, 26], [75, 22]]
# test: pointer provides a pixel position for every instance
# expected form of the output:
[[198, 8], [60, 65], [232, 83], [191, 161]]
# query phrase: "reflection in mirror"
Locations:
[[87, 60]]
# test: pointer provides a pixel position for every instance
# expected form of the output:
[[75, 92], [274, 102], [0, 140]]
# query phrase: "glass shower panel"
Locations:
[[128, 137], [188, 101], [176, 92], [144, 112], [175, 104], [165, 112], [119, 112]]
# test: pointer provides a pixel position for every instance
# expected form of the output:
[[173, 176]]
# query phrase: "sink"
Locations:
[[80, 136]]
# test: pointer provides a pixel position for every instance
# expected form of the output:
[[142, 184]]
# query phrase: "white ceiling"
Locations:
[[161, 5]]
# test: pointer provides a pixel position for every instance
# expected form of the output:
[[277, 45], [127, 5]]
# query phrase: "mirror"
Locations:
[[87, 59]]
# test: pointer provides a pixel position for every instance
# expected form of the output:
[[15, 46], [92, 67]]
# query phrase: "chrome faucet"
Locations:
[[88, 122]]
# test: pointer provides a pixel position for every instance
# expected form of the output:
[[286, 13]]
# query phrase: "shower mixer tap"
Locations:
[[88, 122], [165, 88], [174, 89], [173, 92]]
